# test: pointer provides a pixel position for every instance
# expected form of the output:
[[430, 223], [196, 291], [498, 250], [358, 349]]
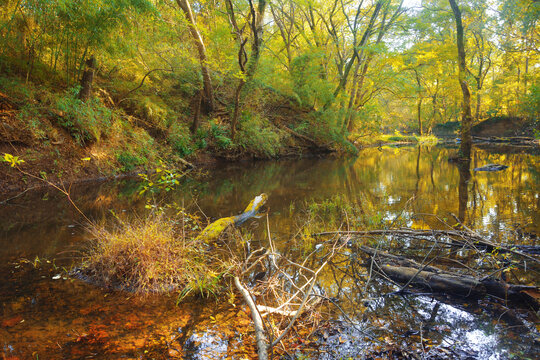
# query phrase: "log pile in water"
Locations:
[[411, 273]]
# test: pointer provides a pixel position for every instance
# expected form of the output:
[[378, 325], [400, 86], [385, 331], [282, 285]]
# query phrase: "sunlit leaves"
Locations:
[[13, 161]]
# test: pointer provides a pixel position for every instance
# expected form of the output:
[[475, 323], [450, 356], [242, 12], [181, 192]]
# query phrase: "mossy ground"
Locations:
[[64, 139]]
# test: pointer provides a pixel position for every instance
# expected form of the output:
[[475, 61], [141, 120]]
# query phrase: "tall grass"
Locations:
[[154, 254]]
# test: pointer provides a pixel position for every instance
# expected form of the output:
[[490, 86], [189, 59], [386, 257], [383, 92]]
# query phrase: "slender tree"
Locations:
[[466, 117], [208, 99], [248, 66]]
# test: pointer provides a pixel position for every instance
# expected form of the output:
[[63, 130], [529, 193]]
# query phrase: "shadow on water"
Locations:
[[57, 317]]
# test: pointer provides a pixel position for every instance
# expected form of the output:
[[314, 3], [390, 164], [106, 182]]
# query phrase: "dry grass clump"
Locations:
[[150, 255]]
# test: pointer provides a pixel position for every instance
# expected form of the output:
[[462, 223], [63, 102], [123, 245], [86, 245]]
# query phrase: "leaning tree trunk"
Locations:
[[87, 79], [208, 103], [466, 117]]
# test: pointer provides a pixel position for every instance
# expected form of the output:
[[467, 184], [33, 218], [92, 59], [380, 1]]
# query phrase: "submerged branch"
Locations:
[[464, 237]]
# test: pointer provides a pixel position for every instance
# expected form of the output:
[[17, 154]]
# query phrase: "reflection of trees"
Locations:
[[377, 182], [463, 193]]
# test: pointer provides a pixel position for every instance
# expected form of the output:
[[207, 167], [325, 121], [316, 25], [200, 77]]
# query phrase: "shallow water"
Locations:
[[49, 317]]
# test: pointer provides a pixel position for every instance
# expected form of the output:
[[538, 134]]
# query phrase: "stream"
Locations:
[[45, 314]]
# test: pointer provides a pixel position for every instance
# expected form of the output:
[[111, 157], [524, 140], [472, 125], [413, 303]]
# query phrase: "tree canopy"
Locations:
[[274, 69]]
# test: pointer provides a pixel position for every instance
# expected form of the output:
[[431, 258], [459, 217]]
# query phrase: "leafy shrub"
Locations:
[[310, 87], [531, 107], [219, 133], [154, 110], [129, 160], [324, 127], [257, 136], [84, 121], [16, 88], [200, 138], [30, 116], [187, 79], [179, 139]]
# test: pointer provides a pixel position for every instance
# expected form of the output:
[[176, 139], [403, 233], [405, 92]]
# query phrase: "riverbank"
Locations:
[[64, 140]]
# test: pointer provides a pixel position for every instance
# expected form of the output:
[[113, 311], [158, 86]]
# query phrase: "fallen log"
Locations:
[[454, 285], [514, 140], [212, 231], [411, 273]]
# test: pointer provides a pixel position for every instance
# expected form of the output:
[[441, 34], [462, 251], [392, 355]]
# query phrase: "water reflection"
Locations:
[[413, 183], [416, 184], [463, 195]]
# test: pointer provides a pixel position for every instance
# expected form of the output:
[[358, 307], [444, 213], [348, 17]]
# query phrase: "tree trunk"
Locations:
[[356, 55], [234, 120], [419, 114], [525, 76], [419, 103], [87, 79], [196, 112], [208, 103], [247, 67], [478, 102], [412, 273], [466, 117], [257, 30]]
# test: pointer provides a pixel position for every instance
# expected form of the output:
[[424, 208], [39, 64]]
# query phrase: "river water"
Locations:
[[48, 315]]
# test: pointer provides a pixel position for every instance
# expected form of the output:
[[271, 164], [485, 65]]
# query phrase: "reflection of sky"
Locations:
[[465, 332], [466, 335], [483, 344]]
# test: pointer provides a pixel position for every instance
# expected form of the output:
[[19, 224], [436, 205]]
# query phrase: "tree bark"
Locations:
[[466, 117], [208, 103], [412, 273], [257, 30], [87, 79]]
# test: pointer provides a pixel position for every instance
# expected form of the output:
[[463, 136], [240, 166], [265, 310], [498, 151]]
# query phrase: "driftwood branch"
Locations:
[[262, 343], [212, 231]]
